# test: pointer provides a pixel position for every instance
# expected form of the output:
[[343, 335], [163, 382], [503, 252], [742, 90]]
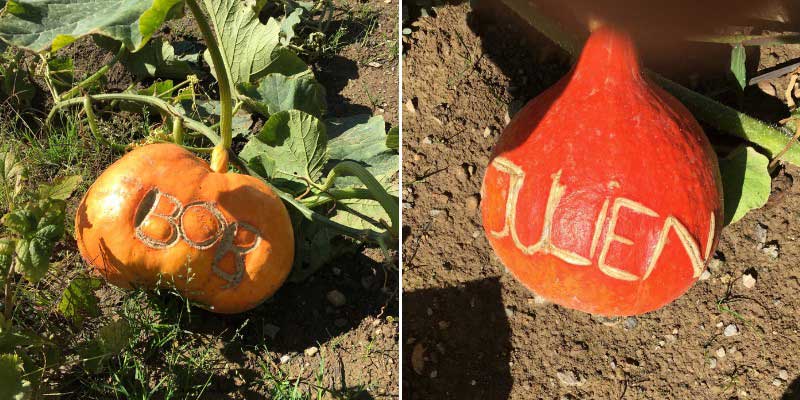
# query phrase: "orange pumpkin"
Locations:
[[603, 194], [160, 216]]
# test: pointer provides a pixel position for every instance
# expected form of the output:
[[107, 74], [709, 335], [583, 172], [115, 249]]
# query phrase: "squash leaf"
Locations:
[[250, 49], [278, 92], [209, 112], [159, 59], [746, 182], [41, 25], [79, 300], [296, 142], [362, 139], [12, 385]]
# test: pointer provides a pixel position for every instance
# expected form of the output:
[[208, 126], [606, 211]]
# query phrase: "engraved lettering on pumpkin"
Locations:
[[545, 246], [225, 233], [612, 237]]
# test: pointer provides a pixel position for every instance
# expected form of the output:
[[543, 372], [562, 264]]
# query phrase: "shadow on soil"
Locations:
[[465, 335], [793, 393], [335, 73]]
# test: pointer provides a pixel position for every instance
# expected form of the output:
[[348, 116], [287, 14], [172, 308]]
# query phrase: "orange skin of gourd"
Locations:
[[106, 221], [612, 134]]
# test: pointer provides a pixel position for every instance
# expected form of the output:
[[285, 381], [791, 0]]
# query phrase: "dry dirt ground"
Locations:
[[470, 331]]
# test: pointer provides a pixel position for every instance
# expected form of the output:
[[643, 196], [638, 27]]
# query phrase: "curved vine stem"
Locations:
[[351, 168], [90, 118], [223, 78], [148, 100]]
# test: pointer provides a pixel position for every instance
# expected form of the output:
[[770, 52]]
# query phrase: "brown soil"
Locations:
[[472, 332], [362, 77]]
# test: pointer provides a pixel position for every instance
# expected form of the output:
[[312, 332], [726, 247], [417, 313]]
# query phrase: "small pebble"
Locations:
[[434, 374], [670, 338], [731, 330], [783, 374], [630, 323], [336, 298], [311, 351], [771, 250], [777, 382], [712, 363], [426, 140], [472, 202], [285, 358], [487, 132], [509, 312], [720, 352], [569, 378], [748, 281], [760, 232], [705, 275]]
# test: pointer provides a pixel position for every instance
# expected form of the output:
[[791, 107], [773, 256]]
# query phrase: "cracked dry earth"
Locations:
[[471, 331]]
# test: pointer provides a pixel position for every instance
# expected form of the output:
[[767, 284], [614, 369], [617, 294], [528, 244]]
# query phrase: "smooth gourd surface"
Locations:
[[603, 194], [160, 217]]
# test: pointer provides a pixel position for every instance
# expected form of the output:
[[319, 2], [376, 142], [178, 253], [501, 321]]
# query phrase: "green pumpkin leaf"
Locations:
[[62, 72], [277, 92], [362, 139], [61, 188], [79, 301], [287, 25], [12, 384], [393, 138], [738, 66], [209, 111], [250, 49], [746, 182], [158, 59], [295, 141], [41, 25]]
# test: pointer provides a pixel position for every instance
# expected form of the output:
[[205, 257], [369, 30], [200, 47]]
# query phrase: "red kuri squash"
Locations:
[[603, 194]]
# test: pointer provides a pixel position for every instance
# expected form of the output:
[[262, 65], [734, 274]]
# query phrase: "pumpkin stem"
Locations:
[[716, 114], [221, 71], [219, 159]]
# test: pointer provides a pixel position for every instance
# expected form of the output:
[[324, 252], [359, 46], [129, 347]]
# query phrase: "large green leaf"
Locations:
[[40, 25], [79, 300], [278, 92], [746, 182], [316, 246], [362, 139], [12, 384], [295, 141], [157, 59], [250, 49]]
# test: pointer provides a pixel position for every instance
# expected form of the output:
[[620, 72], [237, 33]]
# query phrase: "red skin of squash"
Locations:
[[616, 137]]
